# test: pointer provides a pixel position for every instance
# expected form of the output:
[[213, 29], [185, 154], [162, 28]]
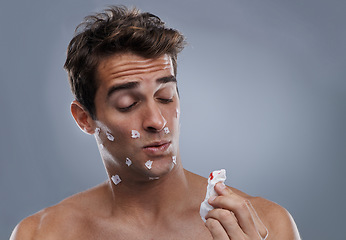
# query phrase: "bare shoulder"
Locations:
[[45, 224], [276, 218], [26, 229], [66, 220]]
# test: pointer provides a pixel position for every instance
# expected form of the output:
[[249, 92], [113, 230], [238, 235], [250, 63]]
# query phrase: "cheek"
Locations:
[[172, 117], [124, 133], [114, 134]]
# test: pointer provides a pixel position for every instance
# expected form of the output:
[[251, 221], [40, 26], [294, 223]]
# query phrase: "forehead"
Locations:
[[128, 65]]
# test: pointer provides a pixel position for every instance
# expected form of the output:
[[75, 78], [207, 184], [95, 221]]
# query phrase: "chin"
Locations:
[[160, 169]]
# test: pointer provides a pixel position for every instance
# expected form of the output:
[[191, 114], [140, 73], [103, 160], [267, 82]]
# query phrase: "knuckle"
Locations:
[[228, 217], [221, 200], [224, 215]]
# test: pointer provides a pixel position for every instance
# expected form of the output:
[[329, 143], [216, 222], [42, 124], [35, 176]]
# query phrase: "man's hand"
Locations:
[[233, 217]]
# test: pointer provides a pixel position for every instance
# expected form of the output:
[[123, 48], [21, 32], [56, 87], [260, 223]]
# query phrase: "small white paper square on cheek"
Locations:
[[166, 129], [177, 113], [148, 164], [135, 134], [116, 179]]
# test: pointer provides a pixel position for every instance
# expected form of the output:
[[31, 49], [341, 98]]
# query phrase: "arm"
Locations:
[[234, 217]]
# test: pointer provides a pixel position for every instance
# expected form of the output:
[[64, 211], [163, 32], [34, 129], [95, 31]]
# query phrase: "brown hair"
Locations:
[[115, 30]]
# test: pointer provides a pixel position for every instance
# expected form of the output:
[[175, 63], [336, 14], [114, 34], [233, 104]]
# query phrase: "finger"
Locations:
[[228, 222], [227, 199], [216, 229]]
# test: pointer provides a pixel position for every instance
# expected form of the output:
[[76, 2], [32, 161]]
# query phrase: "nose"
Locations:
[[153, 118]]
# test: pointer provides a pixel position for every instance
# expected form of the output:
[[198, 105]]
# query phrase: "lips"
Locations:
[[157, 148]]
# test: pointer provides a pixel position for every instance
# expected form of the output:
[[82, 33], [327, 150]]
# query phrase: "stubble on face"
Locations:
[[146, 88]]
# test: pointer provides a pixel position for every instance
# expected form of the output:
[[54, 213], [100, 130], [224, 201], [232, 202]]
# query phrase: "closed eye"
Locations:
[[125, 109], [165, 100]]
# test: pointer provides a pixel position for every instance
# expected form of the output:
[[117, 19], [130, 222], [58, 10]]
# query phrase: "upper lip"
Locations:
[[156, 144]]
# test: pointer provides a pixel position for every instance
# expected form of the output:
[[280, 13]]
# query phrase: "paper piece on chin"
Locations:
[[128, 162], [214, 177], [116, 179], [148, 164], [110, 136], [135, 134], [154, 178]]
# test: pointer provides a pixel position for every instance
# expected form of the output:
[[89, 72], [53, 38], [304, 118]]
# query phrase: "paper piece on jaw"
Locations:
[[148, 164], [214, 177], [116, 179], [110, 136], [174, 158], [135, 134], [128, 162], [97, 131]]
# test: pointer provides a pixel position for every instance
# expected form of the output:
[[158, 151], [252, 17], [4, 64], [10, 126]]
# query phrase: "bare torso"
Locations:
[[88, 215]]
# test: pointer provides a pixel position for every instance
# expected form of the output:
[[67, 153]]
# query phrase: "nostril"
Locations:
[[152, 129]]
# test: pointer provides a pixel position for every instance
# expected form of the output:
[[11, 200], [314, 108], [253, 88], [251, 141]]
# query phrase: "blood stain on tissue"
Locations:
[[211, 176]]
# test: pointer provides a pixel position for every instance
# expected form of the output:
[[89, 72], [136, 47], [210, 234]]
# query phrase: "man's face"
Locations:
[[137, 103]]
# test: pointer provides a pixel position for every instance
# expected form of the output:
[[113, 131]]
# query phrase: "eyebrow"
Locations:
[[133, 85], [166, 79], [128, 85]]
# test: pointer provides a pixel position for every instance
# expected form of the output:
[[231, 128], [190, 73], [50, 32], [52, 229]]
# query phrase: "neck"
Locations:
[[151, 199]]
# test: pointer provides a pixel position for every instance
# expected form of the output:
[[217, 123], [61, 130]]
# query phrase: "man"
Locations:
[[122, 66]]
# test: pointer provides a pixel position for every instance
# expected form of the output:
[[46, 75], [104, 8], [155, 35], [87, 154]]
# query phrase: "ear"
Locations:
[[82, 118]]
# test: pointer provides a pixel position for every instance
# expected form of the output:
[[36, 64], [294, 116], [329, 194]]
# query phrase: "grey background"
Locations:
[[263, 91]]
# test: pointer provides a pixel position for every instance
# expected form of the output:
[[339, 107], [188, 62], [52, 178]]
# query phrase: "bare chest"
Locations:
[[127, 231]]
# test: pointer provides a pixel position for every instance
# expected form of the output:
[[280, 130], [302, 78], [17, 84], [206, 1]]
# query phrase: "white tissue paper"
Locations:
[[214, 177]]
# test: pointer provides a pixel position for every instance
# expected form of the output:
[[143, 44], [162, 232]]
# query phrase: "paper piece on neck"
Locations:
[[116, 179], [97, 131], [101, 146], [166, 130], [174, 158], [148, 164], [128, 162], [135, 134], [214, 177], [110, 136]]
